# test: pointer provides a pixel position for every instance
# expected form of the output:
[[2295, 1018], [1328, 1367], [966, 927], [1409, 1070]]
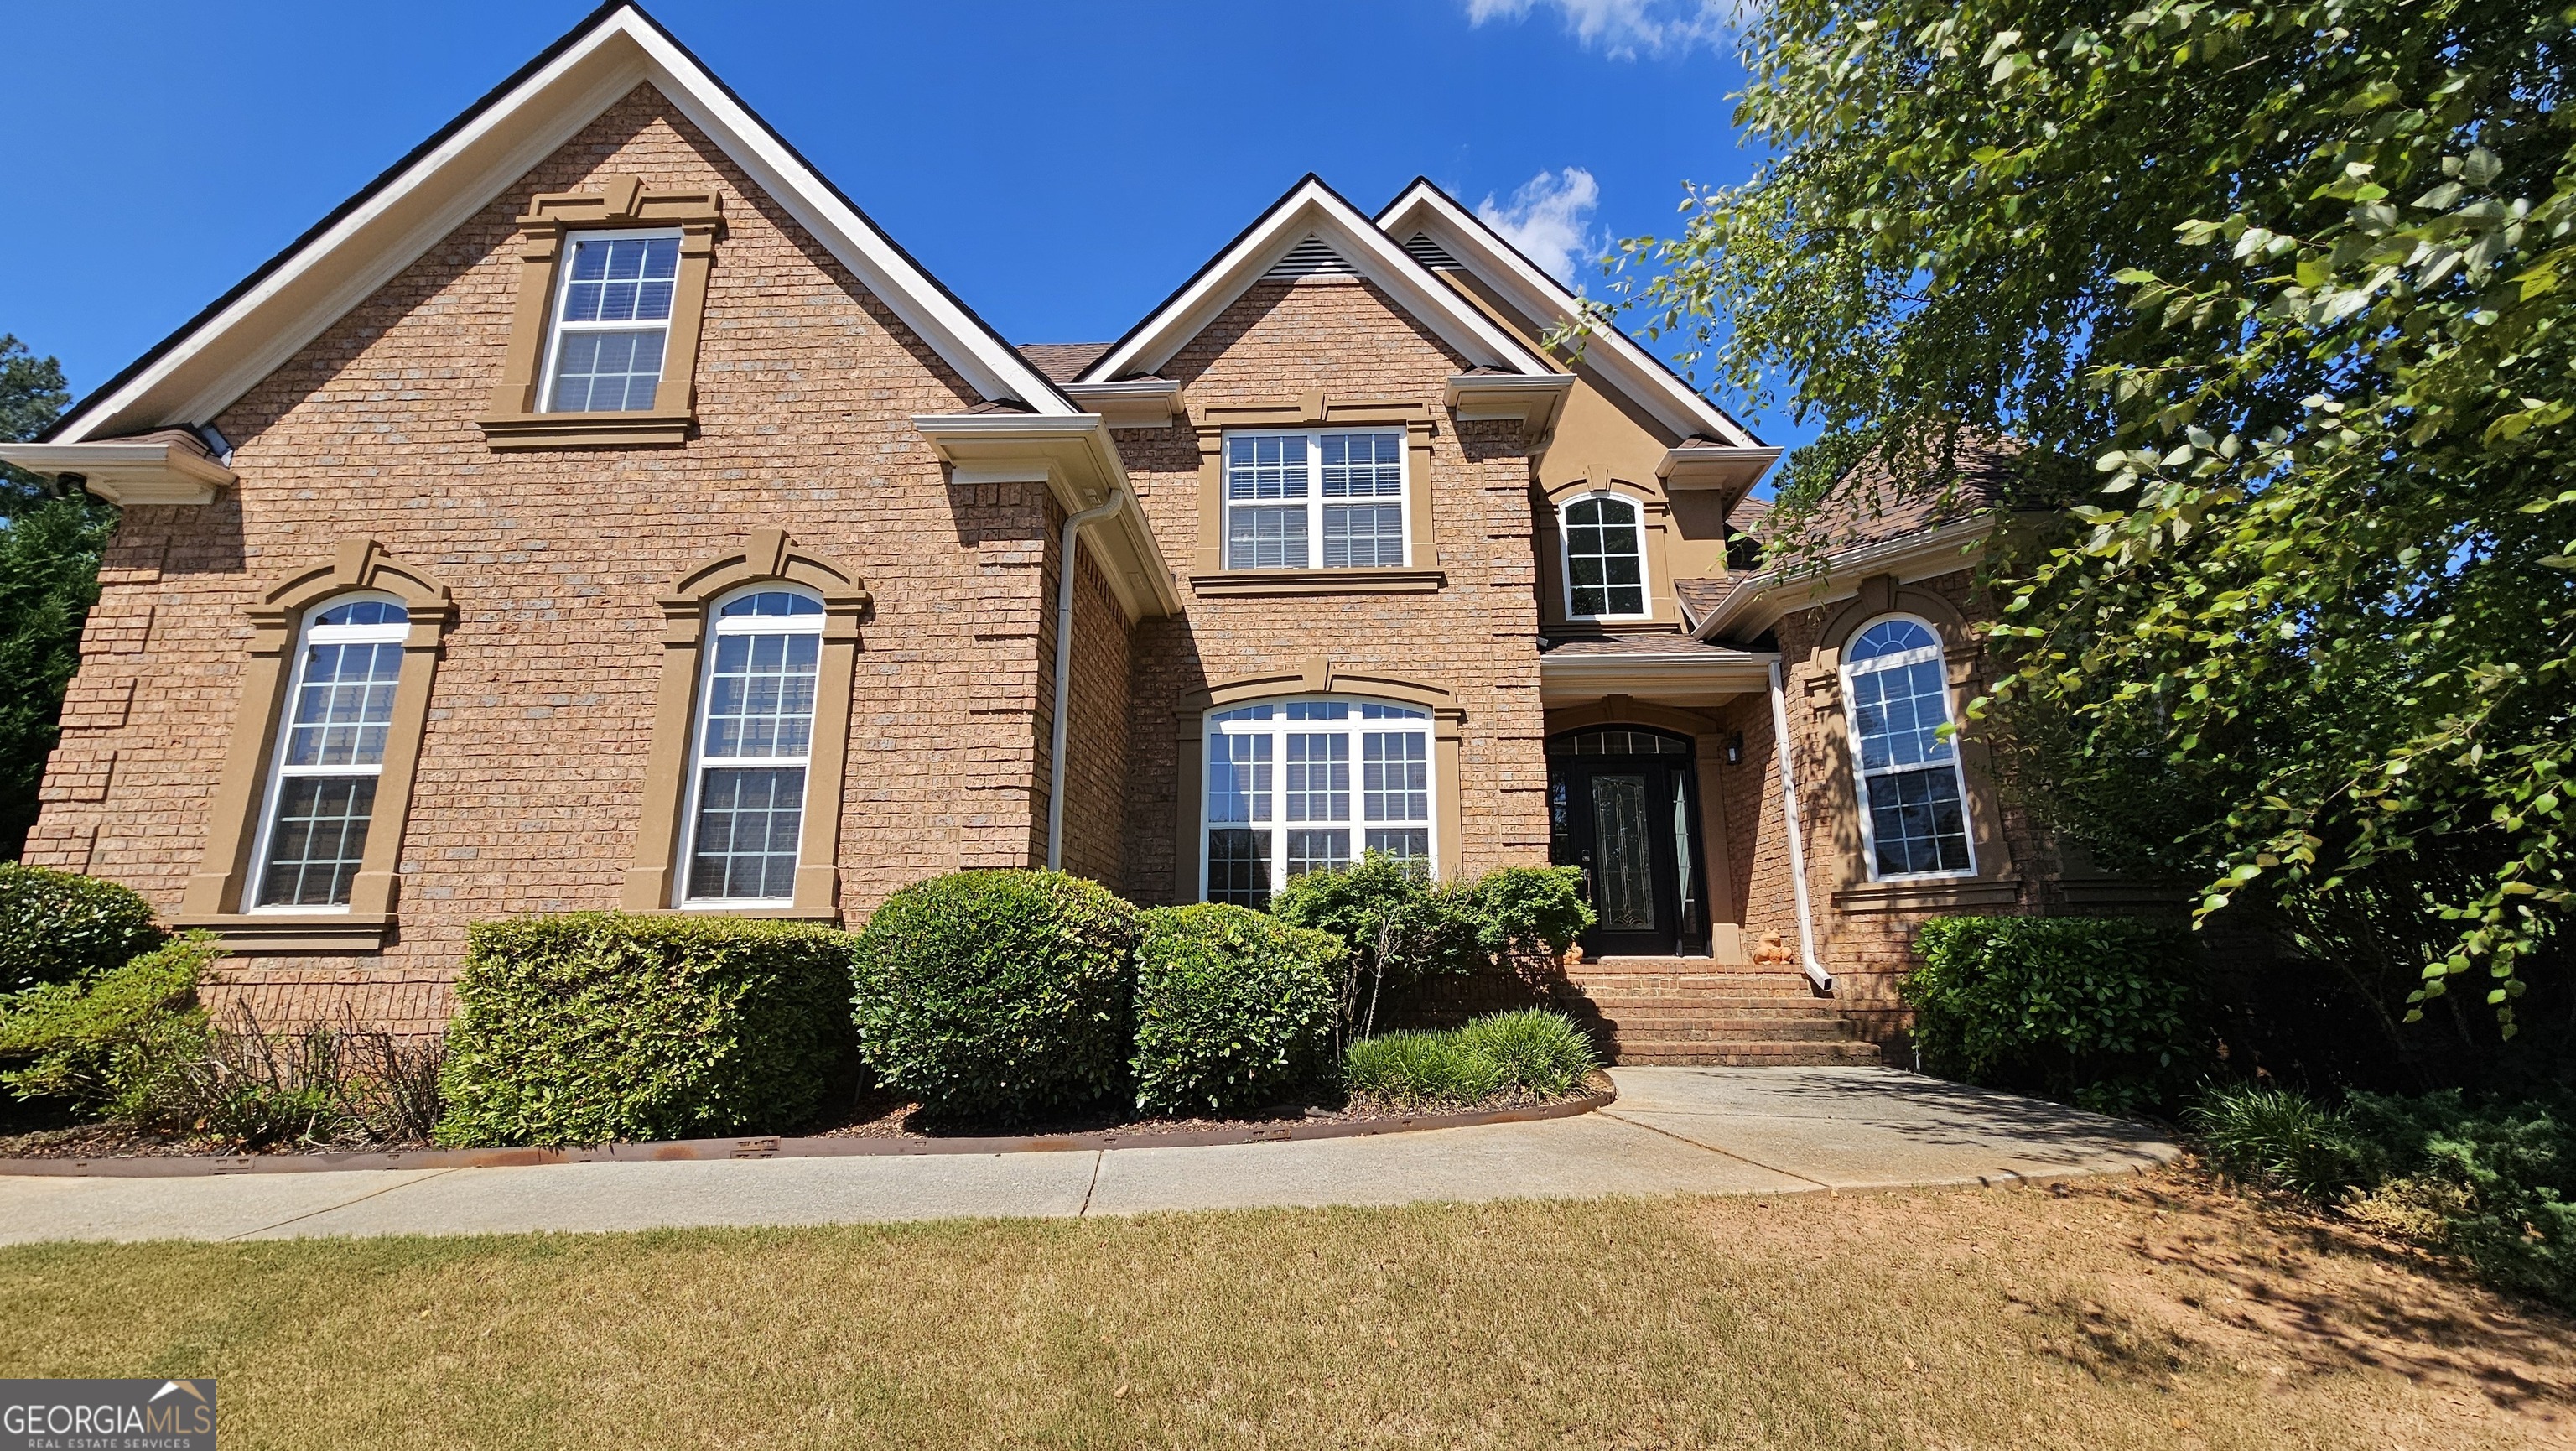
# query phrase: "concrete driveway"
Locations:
[[1673, 1131]]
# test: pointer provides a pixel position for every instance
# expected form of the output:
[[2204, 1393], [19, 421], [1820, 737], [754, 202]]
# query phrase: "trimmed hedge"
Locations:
[[604, 1026], [1234, 1008], [997, 993], [94, 1043], [1529, 912], [58, 927], [2104, 1011]]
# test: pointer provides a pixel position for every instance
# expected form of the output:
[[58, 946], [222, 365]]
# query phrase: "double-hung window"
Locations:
[[612, 322], [749, 753], [322, 787], [1297, 786], [1913, 818], [1321, 499], [1605, 560]]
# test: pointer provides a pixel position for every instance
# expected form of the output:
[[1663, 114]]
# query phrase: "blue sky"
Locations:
[[1062, 167]]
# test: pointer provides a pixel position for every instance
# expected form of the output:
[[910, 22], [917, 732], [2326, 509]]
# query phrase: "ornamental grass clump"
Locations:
[[1234, 1009], [1532, 1049], [998, 994], [1532, 1052], [599, 1027]]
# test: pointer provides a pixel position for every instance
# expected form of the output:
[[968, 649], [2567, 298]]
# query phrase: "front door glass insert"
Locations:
[[1626, 890]]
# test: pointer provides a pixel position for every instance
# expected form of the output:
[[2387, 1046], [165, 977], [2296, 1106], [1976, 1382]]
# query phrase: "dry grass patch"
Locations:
[[2148, 1313]]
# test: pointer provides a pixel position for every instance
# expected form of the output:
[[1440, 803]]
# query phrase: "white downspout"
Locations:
[[1780, 746], [1070, 554]]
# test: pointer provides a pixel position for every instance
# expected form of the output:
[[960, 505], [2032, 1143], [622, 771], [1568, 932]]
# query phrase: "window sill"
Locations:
[[1929, 896], [1247, 582], [503, 431], [296, 931]]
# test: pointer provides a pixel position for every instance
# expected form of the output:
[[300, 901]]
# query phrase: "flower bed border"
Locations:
[[183, 1166]]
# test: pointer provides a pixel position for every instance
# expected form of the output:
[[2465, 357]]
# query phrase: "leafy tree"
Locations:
[[49, 553], [2297, 277]]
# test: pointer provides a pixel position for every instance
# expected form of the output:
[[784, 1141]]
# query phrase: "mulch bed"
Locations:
[[875, 1123]]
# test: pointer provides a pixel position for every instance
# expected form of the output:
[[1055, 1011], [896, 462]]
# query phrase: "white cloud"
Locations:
[[1626, 29], [1549, 219]]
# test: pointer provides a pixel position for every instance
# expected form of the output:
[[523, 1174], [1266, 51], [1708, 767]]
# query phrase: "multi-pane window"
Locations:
[[1605, 562], [1913, 817], [1331, 500], [612, 322], [754, 738], [1310, 785], [322, 791]]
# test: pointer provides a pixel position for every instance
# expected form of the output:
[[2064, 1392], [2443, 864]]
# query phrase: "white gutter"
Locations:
[[1816, 973], [1071, 555]]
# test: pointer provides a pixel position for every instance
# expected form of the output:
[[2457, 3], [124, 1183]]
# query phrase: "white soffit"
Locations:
[[243, 338], [1312, 210], [1639, 376]]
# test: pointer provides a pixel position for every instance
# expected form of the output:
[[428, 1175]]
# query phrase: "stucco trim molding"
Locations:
[[1319, 676], [513, 420], [767, 554], [216, 894]]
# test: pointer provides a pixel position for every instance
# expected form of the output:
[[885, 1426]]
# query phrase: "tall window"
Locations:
[[1912, 818], [612, 321], [1605, 560], [754, 738], [1308, 785], [1331, 500], [322, 790]]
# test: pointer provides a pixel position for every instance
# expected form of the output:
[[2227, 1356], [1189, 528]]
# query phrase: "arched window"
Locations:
[[1913, 819], [1311, 784], [1605, 559], [752, 742], [330, 752]]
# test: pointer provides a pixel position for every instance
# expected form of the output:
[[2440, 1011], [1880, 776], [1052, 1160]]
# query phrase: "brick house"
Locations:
[[600, 511]]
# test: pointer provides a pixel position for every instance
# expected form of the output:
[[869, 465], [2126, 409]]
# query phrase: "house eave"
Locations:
[[1684, 679], [1076, 459], [1760, 601], [127, 471], [1489, 398], [1132, 402]]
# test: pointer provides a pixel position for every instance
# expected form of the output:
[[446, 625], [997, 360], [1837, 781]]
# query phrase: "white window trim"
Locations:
[[1421, 719], [1315, 500], [557, 327], [308, 635], [718, 624], [1565, 557], [1862, 775]]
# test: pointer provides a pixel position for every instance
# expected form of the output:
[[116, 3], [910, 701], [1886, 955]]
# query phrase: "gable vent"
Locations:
[[1428, 252], [1309, 258]]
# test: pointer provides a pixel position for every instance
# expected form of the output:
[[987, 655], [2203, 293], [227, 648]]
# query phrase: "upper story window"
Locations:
[[1913, 821], [1319, 499], [612, 321], [1605, 559], [1295, 786], [330, 753], [753, 743]]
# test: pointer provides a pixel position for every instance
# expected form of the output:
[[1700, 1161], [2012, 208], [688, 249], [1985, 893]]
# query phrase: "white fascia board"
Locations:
[[1760, 601], [1545, 301], [223, 357], [1312, 207], [1079, 462], [1700, 677]]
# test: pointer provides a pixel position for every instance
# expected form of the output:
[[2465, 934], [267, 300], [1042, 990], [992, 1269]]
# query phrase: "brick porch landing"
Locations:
[[1689, 1010]]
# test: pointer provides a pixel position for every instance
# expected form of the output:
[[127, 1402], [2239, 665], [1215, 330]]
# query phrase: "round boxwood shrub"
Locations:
[[997, 993], [1234, 1008], [602, 1027], [60, 927]]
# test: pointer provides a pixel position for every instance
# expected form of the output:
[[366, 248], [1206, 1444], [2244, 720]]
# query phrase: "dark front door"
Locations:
[[1623, 805]]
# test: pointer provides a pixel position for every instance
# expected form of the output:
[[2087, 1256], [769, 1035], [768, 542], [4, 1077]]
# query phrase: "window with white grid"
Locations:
[[1312, 784], [1605, 559], [331, 749], [754, 738], [612, 321], [1913, 798], [1328, 499]]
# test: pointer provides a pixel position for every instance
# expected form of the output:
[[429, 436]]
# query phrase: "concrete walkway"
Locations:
[[1673, 1131]]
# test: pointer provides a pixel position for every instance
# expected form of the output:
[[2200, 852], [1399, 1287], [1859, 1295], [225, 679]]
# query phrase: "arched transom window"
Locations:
[[1913, 818], [1311, 784], [749, 752], [1605, 560], [330, 753]]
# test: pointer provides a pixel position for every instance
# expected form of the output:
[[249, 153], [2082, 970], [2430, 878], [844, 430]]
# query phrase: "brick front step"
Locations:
[[1781, 1055], [1691, 1011]]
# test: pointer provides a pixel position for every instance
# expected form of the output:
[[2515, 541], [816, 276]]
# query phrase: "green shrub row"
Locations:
[[2106, 1012], [1531, 1050], [95, 1042]]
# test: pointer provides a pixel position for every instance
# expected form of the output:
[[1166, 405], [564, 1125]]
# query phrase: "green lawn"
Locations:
[[2148, 1313]]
